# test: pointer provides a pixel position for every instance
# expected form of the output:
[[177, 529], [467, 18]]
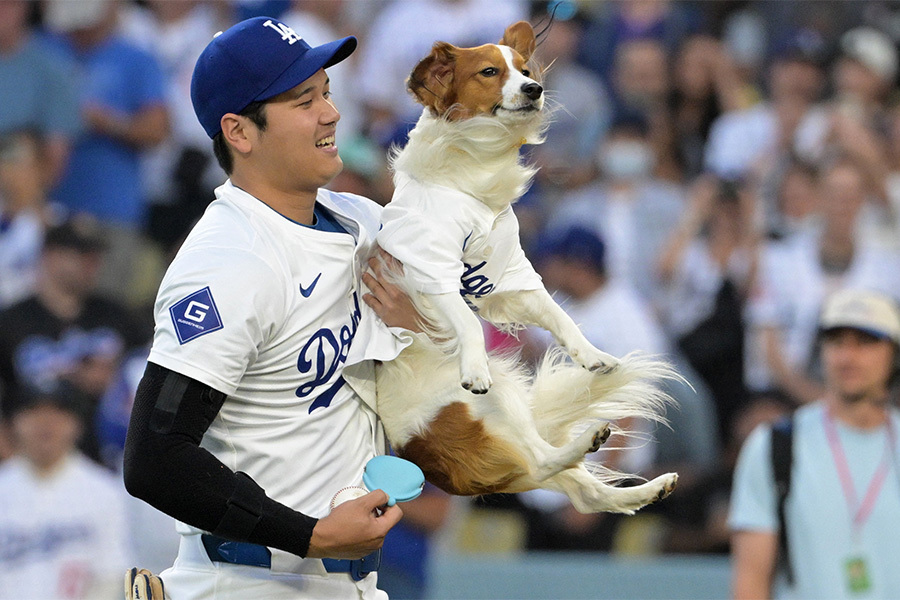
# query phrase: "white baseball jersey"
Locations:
[[265, 310], [449, 241], [62, 536]]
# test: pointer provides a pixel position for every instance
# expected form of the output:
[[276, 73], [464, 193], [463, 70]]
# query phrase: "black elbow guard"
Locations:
[[244, 511]]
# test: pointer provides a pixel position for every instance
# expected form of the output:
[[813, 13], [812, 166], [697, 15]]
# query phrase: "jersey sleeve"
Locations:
[[427, 235], [213, 312], [753, 497], [519, 274]]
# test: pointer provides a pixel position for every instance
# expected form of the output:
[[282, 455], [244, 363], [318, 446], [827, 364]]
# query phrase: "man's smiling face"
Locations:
[[297, 148]]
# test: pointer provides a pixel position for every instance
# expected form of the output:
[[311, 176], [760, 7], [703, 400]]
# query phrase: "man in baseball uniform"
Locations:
[[244, 426]]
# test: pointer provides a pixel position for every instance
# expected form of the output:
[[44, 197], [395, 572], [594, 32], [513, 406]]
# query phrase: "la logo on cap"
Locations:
[[286, 32]]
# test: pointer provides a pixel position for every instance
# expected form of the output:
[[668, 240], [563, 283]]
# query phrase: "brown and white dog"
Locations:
[[474, 423]]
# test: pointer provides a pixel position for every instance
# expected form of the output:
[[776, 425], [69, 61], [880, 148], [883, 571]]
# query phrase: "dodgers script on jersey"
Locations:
[[449, 241], [249, 278]]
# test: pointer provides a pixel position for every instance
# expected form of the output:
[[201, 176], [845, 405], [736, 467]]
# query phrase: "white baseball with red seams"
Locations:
[[348, 493]]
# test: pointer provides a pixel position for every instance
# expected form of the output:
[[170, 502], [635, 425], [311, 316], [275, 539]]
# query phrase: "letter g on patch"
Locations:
[[195, 315]]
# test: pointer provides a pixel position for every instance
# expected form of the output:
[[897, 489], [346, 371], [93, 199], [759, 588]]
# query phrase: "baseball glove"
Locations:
[[141, 584]]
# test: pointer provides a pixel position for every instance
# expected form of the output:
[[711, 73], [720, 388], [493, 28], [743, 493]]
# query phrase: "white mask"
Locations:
[[626, 159]]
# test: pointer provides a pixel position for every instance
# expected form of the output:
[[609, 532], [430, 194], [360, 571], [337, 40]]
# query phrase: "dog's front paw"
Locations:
[[476, 385], [474, 372], [476, 379]]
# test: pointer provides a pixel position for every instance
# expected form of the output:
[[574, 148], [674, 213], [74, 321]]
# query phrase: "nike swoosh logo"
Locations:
[[306, 291]]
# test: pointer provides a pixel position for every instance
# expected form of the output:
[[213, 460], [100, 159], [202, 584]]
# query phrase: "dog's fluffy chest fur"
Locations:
[[477, 156]]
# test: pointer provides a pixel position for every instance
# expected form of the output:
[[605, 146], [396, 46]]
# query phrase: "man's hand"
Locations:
[[388, 301], [355, 528]]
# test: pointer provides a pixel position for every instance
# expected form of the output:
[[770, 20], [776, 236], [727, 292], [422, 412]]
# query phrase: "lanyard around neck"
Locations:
[[859, 511]]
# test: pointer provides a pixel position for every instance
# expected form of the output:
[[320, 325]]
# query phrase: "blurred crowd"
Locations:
[[713, 171]]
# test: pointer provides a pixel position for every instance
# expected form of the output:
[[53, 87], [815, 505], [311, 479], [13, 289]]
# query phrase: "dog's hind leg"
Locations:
[[590, 495], [547, 460], [536, 307]]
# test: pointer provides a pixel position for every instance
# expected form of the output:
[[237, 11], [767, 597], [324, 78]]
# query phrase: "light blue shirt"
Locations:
[[818, 518]]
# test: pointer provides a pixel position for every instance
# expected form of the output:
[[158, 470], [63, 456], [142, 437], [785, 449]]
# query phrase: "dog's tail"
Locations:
[[567, 398]]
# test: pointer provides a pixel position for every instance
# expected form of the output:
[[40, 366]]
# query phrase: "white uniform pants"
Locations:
[[195, 577]]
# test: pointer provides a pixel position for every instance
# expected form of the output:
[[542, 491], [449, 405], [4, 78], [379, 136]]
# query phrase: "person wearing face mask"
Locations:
[[626, 204]]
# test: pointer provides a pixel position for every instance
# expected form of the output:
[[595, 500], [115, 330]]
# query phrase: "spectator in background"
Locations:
[[401, 35], [37, 89], [642, 85], [707, 268], [123, 104], [23, 213], [247, 9], [64, 331], [891, 189], [180, 173], [321, 22], [63, 530], [744, 142], [855, 122], [743, 39], [863, 76], [629, 208], [842, 512], [798, 273], [797, 208], [704, 84], [617, 23], [582, 108]]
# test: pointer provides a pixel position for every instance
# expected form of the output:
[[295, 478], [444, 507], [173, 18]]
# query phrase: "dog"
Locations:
[[479, 424]]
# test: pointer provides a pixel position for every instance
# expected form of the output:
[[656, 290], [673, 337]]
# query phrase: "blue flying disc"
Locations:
[[400, 479]]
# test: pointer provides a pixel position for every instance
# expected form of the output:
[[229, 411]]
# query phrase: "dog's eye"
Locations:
[[489, 71], [526, 72]]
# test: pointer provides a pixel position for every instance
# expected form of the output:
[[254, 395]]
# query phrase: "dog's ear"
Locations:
[[520, 37], [430, 81]]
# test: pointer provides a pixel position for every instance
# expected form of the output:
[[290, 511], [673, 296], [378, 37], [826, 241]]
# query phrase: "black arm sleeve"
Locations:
[[166, 467]]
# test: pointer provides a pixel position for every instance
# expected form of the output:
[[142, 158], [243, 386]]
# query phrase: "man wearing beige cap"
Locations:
[[841, 511]]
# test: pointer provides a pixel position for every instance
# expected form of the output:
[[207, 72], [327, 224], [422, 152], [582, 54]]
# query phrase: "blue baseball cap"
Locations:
[[574, 243], [253, 61]]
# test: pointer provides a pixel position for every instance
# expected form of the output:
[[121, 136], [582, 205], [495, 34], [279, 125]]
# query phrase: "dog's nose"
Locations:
[[532, 90]]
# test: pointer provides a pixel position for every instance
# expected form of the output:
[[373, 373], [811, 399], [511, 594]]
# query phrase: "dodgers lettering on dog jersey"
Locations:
[[449, 241], [266, 310]]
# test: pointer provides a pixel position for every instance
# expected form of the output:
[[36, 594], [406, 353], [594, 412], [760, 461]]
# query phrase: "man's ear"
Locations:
[[431, 81], [236, 132], [520, 37]]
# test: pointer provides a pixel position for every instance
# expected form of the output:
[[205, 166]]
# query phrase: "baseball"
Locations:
[[348, 493]]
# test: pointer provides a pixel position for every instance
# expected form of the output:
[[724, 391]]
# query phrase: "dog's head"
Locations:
[[459, 83]]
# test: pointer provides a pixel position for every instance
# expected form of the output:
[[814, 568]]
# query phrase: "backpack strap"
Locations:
[[782, 457]]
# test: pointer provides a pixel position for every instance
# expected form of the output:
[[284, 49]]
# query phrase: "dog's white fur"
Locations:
[[518, 431]]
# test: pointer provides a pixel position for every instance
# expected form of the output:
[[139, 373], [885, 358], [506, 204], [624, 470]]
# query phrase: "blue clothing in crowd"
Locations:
[[37, 91], [104, 176]]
